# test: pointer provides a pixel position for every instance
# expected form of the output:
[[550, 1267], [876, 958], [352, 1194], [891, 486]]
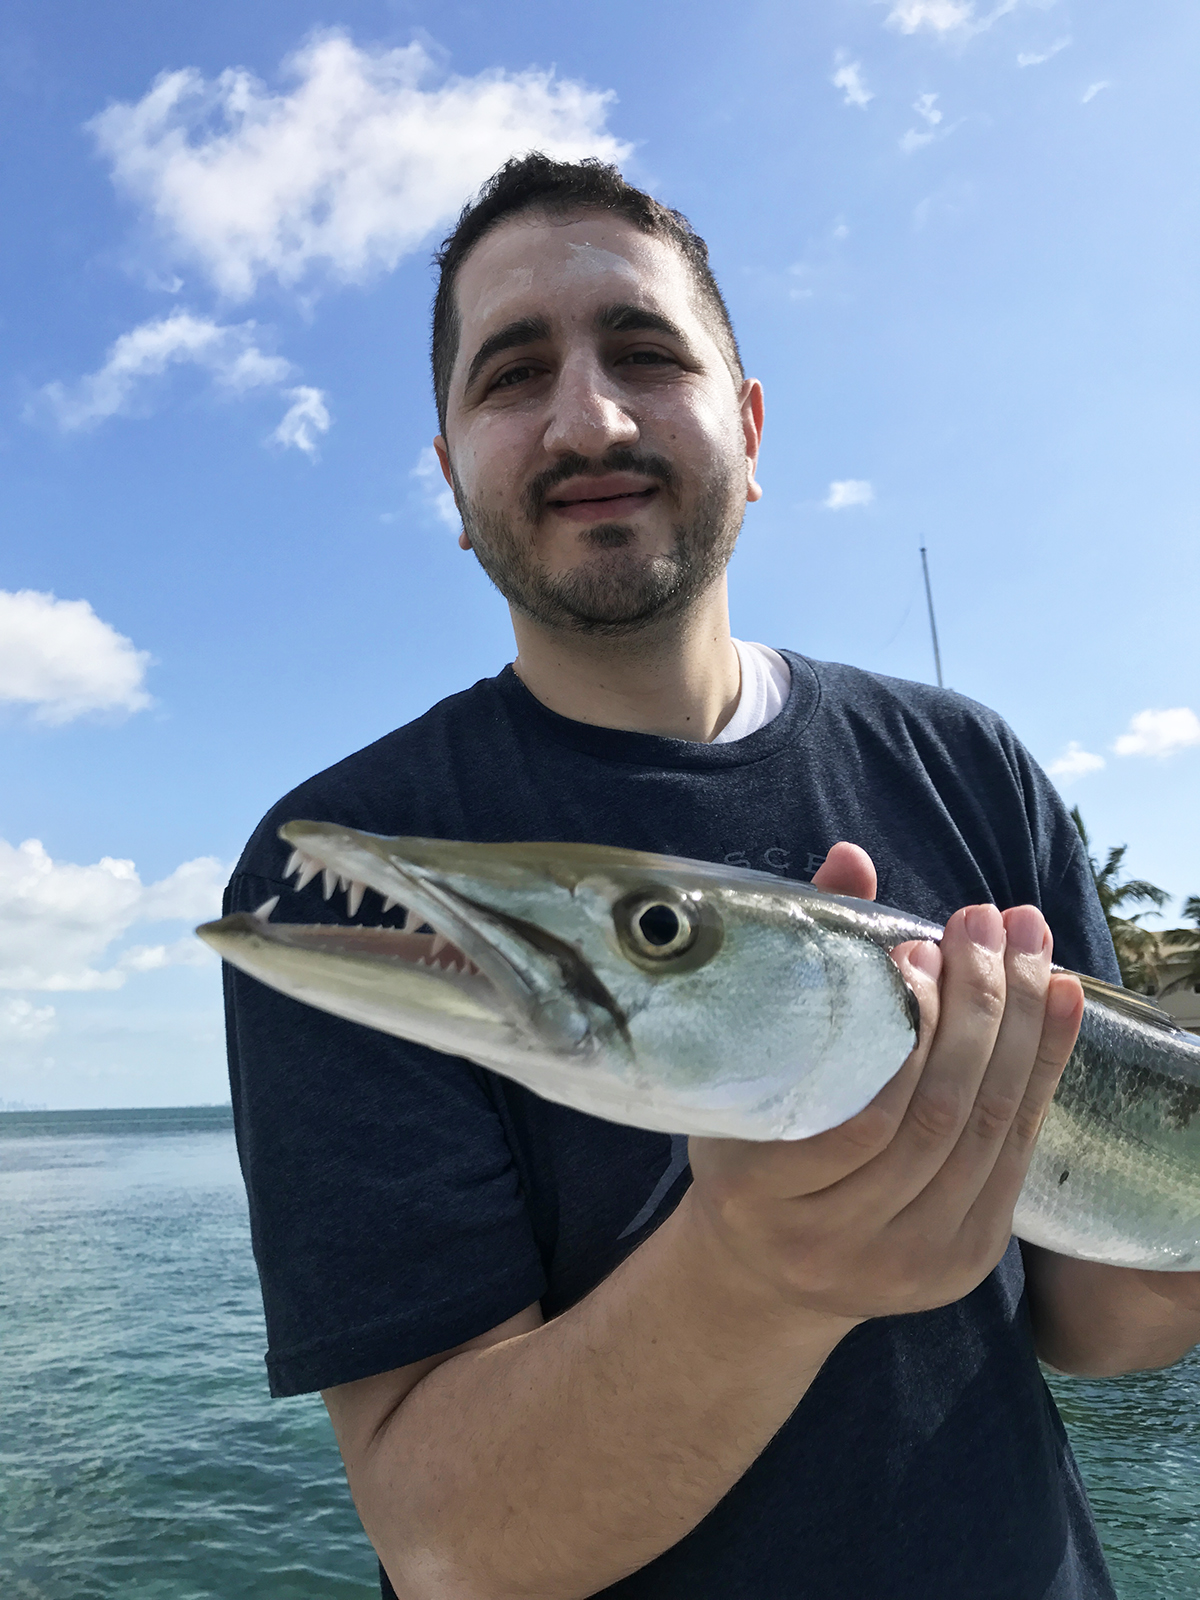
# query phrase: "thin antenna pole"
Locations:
[[937, 654]]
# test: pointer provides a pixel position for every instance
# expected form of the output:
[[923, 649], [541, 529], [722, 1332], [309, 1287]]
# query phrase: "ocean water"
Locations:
[[141, 1459]]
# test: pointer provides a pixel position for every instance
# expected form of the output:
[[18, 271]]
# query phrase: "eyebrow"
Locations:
[[627, 318], [526, 330]]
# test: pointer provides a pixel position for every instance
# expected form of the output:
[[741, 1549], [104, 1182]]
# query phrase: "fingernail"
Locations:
[[926, 958], [1026, 931], [986, 927], [1062, 999]]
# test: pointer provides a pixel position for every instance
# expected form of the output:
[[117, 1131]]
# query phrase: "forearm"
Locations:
[[1097, 1321], [559, 1461]]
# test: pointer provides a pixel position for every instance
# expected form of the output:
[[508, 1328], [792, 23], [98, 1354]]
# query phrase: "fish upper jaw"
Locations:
[[542, 983]]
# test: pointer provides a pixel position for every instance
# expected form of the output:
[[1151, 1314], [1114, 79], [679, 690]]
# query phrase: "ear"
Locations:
[[442, 450], [750, 403]]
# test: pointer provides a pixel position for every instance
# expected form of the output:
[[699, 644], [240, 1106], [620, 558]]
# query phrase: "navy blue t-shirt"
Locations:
[[403, 1201]]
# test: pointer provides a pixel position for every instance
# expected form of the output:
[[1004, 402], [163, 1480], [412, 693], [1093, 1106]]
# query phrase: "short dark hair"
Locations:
[[535, 182]]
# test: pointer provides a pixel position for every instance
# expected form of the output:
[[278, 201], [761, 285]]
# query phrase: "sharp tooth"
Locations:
[[389, 900], [264, 911], [308, 871], [294, 860], [331, 881], [440, 942], [354, 897]]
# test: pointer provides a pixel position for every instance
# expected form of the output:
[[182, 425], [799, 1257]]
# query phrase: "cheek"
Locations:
[[490, 459]]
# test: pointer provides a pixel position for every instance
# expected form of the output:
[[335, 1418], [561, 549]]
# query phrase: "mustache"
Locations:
[[621, 459]]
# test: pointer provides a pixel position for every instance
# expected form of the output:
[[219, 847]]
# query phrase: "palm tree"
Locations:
[[1137, 947], [1181, 950]]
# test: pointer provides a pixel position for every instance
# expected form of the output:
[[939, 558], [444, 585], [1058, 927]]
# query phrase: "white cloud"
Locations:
[[58, 657], [849, 79], [925, 105], [22, 1022], [307, 416], [344, 175], [940, 16], [1036, 58], [844, 492], [59, 920], [1093, 89], [434, 489], [1159, 733], [1075, 762], [145, 352], [945, 17], [228, 352]]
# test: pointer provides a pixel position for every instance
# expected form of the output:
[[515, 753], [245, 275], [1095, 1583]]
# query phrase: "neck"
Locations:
[[680, 681]]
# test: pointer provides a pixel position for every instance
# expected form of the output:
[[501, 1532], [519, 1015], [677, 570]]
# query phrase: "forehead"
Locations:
[[564, 270]]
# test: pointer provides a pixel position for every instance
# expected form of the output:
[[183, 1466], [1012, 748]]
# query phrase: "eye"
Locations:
[[659, 929]]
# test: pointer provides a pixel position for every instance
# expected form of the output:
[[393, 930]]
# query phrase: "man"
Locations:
[[555, 1366]]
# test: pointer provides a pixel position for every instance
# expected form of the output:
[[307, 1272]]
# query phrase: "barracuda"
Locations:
[[690, 998]]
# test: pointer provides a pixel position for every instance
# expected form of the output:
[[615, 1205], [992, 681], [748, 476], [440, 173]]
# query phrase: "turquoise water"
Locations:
[[141, 1459]]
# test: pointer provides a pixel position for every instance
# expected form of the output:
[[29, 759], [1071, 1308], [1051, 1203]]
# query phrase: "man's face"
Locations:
[[600, 449]]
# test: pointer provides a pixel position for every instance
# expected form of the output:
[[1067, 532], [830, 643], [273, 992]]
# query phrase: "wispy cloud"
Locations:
[[1093, 89], [59, 920], [849, 79], [229, 353], [945, 17], [1075, 762], [925, 106], [1159, 733], [306, 418], [939, 16], [434, 490], [847, 492], [340, 177], [1037, 58], [58, 658]]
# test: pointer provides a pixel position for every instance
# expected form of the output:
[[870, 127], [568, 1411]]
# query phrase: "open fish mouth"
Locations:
[[443, 951]]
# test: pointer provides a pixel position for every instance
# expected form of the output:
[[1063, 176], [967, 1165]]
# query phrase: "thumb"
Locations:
[[847, 869]]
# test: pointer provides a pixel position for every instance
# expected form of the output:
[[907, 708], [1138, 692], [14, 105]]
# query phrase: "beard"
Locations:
[[616, 588]]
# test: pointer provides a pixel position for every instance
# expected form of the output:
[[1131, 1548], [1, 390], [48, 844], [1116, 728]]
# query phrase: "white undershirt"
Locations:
[[766, 684]]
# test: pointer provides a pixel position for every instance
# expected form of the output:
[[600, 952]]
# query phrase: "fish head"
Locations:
[[669, 994]]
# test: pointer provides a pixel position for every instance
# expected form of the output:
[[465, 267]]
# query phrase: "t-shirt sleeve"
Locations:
[[386, 1211]]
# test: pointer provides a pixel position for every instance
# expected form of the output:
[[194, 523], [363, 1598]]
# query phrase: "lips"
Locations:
[[595, 499]]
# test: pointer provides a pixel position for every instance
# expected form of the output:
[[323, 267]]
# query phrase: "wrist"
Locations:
[[747, 1295]]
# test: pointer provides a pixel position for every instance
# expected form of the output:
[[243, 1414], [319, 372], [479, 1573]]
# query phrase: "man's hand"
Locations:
[[1088, 1318], [909, 1205]]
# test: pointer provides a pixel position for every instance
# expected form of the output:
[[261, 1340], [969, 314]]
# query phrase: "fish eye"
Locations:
[[660, 929]]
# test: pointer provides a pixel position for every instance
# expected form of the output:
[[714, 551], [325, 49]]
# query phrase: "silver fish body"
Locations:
[[691, 998]]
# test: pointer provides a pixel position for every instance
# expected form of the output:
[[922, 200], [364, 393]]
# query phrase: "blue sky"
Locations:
[[959, 245]]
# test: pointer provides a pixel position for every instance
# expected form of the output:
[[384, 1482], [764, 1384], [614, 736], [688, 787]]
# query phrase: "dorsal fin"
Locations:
[[1131, 1005]]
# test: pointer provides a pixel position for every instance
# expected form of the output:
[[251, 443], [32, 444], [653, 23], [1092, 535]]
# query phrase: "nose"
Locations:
[[588, 415]]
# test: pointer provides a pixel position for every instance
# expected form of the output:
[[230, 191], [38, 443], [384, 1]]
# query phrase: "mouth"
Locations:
[[440, 950], [603, 499]]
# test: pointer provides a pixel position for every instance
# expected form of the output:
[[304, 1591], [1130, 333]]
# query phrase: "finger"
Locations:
[[1002, 1093], [972, 1006], [847, 869], [1060, 1029]]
